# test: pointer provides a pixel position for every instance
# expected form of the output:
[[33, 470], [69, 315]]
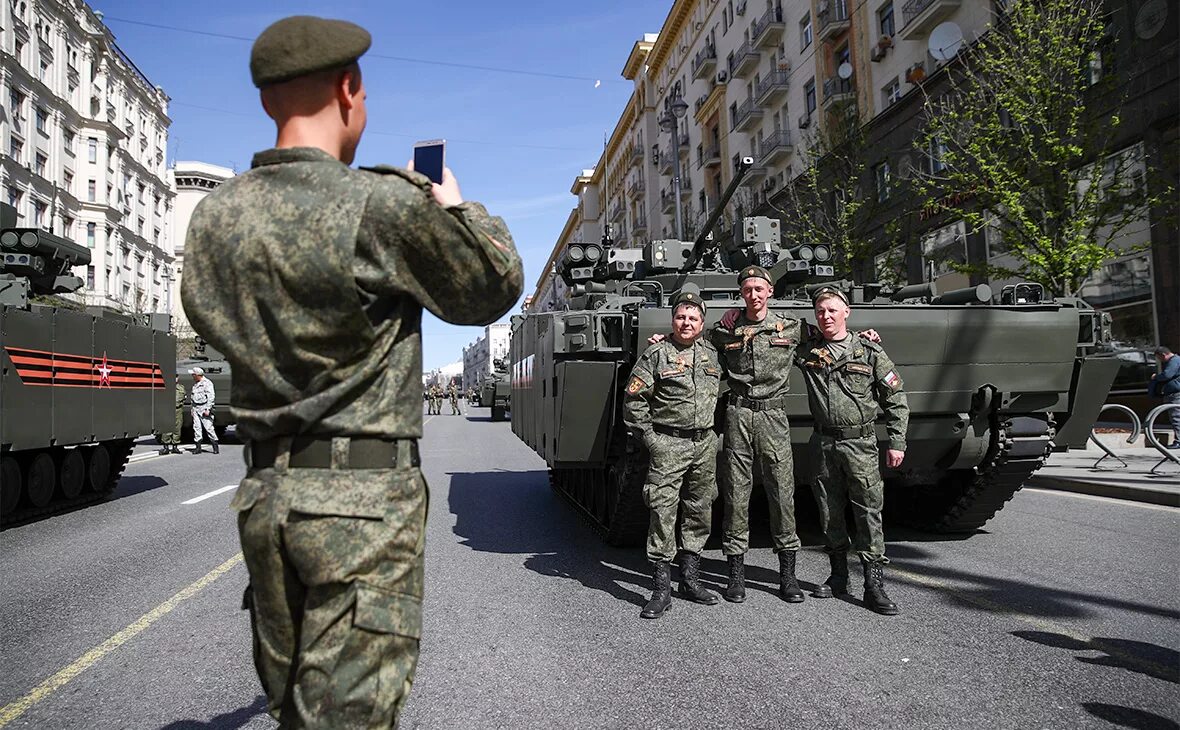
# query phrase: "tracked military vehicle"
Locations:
[[496, 392], [218, 371], [77, 386], [994, 384]]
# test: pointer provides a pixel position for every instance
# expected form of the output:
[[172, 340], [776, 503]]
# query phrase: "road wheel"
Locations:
[[98, 468], [40, 480], [72, 473], [10, 481]]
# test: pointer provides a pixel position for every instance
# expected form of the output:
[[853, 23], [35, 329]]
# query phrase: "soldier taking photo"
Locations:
[[311, 277]]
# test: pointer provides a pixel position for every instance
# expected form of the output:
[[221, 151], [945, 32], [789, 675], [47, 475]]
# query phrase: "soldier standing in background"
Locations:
[[203, 397], [332, 510], [846, 380], [670, 403], [454, 395], [436, 400], [171, 441]]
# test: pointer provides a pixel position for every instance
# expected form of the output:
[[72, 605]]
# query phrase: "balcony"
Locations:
[[838, 90], [744, 60], [748, 115], [775, 147], [921, 16], [666, 162], [636, 187], [767, 31], [704, 63], [756, 173], [636, 153], [833, 18], [684, 149], [710, 157], [667, 201], [617, 210], [639, 224], [772, 88]]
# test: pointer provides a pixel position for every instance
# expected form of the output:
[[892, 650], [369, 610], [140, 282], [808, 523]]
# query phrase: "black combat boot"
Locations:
[[176, 448], [216, 448], [198, 450], [661, 596], [875, 598], [735, 592], [837, 582], [690, 580], [788, 587], [166, 450]]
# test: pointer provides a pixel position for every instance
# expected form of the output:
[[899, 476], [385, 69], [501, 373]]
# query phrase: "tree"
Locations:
[[1022, 128]]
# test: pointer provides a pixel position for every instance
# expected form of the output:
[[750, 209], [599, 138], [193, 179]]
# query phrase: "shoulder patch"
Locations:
[[892, 379], [636, 385]]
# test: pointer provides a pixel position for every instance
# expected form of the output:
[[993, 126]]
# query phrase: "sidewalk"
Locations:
[[1073, 471]]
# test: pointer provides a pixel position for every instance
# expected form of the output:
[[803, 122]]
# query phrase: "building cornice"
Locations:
[[669, 33]]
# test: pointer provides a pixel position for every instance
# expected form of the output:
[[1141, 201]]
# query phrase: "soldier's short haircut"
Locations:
[[691, 306], [830, 295], [1161, 350]]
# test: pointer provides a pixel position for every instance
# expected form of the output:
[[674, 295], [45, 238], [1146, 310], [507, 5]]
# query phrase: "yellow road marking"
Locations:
[[10, 712], [1042, 624]]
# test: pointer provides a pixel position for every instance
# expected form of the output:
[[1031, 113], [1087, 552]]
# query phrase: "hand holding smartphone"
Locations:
[[430, 159]]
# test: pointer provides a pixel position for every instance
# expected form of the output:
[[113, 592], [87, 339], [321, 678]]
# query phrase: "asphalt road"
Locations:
[[1063, 613]]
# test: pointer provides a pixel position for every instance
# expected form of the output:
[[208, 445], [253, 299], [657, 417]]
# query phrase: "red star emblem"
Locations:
[[104, 372]]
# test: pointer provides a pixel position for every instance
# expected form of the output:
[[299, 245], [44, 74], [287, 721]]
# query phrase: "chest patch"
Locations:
[[856, 367], [710, 370], [671, 372], [781, 342], [734, 346]]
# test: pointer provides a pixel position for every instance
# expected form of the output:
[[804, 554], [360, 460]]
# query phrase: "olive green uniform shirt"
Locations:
[[673, 385], [311, 276], [758, 355]]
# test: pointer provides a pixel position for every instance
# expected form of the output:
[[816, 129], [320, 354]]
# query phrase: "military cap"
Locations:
[[752, 271], [689, 297], [304, 44], [828, 290], [196, 371]]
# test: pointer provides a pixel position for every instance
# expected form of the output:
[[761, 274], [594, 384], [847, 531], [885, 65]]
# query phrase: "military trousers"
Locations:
[[335, 558], [203, 424], [681, 481], [757, 440], [848, 472], [174, 437]]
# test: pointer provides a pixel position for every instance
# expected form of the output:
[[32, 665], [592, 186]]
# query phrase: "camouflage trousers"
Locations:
[[174, 437], [203, 424], [681, 480], [335, 597], [758, 440], [848, 472], [455, 407]]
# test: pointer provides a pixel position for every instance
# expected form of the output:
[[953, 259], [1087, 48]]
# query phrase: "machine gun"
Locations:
[[35, 261]]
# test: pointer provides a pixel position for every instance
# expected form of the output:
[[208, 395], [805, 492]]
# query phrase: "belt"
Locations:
[[316, 453], [864, 430], [758, 404], [696, 434]]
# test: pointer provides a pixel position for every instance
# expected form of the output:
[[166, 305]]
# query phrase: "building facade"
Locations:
[[479, 356], [191, 181], [84, 135], [762, 78]]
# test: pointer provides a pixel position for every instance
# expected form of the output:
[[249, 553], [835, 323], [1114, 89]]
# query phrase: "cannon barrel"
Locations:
[[698, 246], [981, 294], [915, 291]]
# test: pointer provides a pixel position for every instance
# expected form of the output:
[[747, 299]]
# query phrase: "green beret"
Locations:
[[689, 297], [825, 291], [752, 271], [303, 44]]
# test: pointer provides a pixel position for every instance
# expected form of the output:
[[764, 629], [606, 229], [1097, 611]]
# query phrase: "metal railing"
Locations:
[[780, 139], [913, 9]]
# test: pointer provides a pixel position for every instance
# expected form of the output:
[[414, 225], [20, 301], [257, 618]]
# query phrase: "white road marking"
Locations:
[[142, 457], [214, 493], [1097, 498]]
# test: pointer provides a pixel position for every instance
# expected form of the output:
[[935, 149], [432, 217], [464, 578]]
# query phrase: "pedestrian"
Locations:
[[1166, 384], [203, 399], [311, 277], [171, 441], [847, 380], [669, 405], [454, 395]]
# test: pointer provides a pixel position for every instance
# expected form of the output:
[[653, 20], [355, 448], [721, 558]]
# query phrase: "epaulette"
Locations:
[[874, 346], [417, 179]]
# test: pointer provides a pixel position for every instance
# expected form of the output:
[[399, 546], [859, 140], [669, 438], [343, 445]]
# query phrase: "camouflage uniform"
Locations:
[[174, 437], [675, 386], [846, 381], [454, 393], [311, 277]]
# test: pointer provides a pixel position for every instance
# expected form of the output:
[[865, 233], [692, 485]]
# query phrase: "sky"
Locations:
[[514, 141]]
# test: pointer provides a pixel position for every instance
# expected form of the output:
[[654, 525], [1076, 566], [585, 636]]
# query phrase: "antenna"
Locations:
[[945, 41], [844, 71]]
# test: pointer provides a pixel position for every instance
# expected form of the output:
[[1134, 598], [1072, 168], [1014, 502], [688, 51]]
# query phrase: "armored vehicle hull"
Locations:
[[497, 395]]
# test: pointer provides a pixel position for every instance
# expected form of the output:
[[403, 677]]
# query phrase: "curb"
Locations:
[[1114, 491]]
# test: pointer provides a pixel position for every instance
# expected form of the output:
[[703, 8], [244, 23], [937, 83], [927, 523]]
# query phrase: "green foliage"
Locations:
[[1020, 131]]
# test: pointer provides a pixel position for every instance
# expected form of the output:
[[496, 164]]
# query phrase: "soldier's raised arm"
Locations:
[[458, 261]]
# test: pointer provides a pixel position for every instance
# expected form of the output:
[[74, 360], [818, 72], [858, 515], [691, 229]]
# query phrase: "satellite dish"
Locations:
[[844, 71], [945, 41]]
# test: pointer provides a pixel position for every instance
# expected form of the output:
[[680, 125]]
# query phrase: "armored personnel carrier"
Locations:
[[994, 384], [217, 370], [496, 392], [77, 386]]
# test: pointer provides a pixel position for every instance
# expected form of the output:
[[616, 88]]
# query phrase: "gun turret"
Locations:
[[36, 261]]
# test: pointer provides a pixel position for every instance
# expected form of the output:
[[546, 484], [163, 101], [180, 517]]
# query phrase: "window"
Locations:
[[39, 213], [805, 32], [42, 121], [67, 181], [67, 226], [809, 96], [891, 92], [936, 155], [16, 104], [945, 247], [19, 50], [884, 183], [16, 148], [92, 149], [40, 161], [91, 229], [91, 191], [90, 277], [155, 235], [14, 197], [885, 19], [67, 139], [139, 226], [45, 71]]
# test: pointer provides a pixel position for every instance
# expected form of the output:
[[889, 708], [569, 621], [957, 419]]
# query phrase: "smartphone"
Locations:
[[429, 158]]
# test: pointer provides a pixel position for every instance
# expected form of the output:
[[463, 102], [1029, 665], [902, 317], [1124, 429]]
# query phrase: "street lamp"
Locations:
[[675, 107]]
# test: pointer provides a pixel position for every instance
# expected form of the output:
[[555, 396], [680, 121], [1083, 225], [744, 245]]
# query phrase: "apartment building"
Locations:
[[479, 356], [84, 135], [761, 78], [191, 181]]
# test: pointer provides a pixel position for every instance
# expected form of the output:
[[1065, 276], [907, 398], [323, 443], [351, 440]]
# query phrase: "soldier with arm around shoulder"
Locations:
[[847, 379], [311, 277], [669, 405]]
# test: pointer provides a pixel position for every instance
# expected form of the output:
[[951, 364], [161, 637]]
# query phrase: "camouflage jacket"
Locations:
[[311, 277], [758, 356], [846, 390], [673, 385]]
